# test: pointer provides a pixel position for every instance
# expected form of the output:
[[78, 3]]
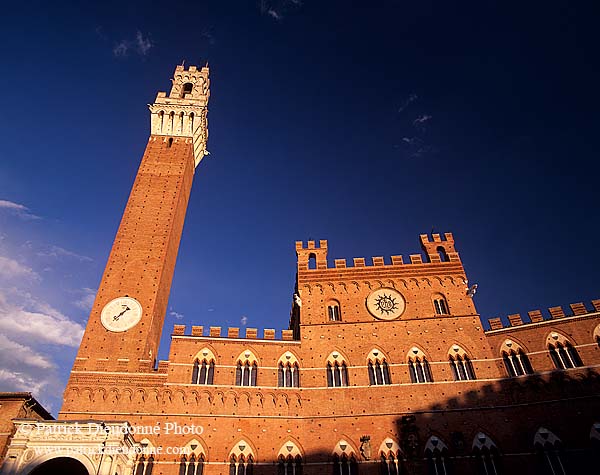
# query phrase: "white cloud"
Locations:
[[422, 119], [11, 269], [121, 48], [13, 353], [30, 320], [18, 209], [86, 301], [243, 320], [143, 45], [411, 98], [273, 14]]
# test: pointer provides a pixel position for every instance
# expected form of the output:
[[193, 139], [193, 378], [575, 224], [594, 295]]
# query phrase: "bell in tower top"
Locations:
[[183, 112]]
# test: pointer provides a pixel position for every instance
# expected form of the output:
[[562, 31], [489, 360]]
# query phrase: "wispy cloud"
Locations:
[[140, 45], [11, 269], [407, 102], [243, 320], [86, 300], [60, 252], [278, 9], [176, 315], [17, 209], [422, 119]]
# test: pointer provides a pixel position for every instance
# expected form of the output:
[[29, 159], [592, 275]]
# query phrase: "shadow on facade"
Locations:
[[538, 424]]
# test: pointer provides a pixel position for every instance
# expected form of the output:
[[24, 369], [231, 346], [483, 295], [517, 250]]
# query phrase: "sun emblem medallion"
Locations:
[[386, 304]]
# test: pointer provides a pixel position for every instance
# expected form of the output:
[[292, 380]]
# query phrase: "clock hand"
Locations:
[[116, 317]]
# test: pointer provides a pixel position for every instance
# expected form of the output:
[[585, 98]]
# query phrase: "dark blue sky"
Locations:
[[364, 123]]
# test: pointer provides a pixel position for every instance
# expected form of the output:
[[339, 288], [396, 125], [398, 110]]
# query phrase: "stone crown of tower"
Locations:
[[183, 113]]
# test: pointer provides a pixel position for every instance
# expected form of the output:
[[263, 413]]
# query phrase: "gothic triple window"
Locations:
[[241, 459], [390, 458], [486, 454], [418, 367], [289, 459], [191, 465], [204, 367], [344, 459], [563, 354], [515, 359], [379, 372], [436, 454], [460, 364], [337, 371], [144, 465], [288, 371], [549, 447], [246, 370]]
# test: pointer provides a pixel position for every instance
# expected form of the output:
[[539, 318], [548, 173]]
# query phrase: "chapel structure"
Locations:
[[385, 368]]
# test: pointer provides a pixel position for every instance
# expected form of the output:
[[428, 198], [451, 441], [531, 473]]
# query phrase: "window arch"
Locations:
[[436, 453], [144, 465], [390, 458], [337, 370], [186, 89], [204, 367], [563, 354], [440, 304], [461, 365], [312, 261], [344, 459], [192, 462], [515, 359], [289, 459], [442, 253], [379, 372], [241, 459], [597, 335], [246, 370], [288, 371], [549, 446], [418, 366], [334, 313], [486, 453]]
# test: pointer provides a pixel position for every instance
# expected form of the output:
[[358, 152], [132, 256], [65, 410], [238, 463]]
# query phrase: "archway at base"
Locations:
[[62, 465]]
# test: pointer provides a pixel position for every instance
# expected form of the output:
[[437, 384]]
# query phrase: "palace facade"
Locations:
[[386, 367]]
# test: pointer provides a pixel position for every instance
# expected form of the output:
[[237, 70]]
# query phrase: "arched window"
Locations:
[[288, 371], [462, 368], [442, 253], [344, 459], [289, 460], [418, 367], [486, 454], [440, 305], [549, 447], [144, 465], [563, 354], [191, 465], [186, 89], [436, 454], [333, 311], [204, 367], [241, 459], [379, 372], [246, 370], [515, 359], [312, 261], [597, 335], [390, 458], [337, 371]]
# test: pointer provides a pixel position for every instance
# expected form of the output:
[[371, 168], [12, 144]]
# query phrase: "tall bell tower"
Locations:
[[125, 324]]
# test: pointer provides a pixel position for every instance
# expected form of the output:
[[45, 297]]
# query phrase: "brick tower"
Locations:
[[125, 324]]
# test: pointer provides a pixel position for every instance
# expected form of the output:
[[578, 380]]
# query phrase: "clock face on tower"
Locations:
[[121, 314]]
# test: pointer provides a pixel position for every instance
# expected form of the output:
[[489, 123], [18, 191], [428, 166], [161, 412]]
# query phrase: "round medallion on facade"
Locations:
[[121, 314], [386, 304]]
